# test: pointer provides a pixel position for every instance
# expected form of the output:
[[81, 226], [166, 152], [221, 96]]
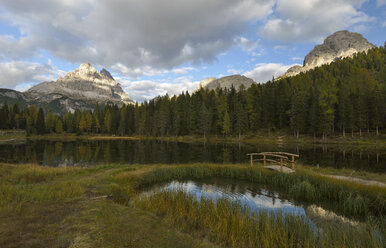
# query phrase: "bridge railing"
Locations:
[[282, 158]]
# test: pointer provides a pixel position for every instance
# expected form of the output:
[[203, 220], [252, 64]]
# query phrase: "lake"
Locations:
[[89, 153]]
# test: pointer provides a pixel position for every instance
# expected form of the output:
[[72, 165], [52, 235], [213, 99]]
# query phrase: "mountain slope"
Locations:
[[340, 44], [82, 88], [226, 82]]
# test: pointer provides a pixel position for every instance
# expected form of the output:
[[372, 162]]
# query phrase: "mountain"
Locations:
[[82, 88], [339, 45], [226, 82]]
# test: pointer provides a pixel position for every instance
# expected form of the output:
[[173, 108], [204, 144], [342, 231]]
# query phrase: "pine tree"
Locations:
[[122, 122], [226, 128], [59, 126], [205, 120], [298, 117], [88, 122], [40, 123], [82, 123], [107, 121], [242, 118], [4, 122], [50, 122], [96, 124]]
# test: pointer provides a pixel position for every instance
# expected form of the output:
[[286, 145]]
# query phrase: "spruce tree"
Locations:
[[226, 127], [59, 126], [107, 122], [82, 124], [50, 122], [40, 123]]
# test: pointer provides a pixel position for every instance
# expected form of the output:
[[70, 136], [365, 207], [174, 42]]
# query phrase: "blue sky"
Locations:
[[156, 47]]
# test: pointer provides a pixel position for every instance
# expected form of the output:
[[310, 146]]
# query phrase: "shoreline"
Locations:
[[377, 141]]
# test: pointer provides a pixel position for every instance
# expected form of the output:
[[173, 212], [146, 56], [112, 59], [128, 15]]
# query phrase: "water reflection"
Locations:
[[85, 153], [255, 200]]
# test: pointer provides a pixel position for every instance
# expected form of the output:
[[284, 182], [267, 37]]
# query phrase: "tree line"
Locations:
[[347, 96]]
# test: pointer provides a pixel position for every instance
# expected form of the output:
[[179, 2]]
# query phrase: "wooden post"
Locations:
[[251, 158], [281, 164], [264, 160], [293, 162]]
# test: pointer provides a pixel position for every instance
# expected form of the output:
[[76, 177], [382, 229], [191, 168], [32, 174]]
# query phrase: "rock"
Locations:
[[226, 82], [206, 81], [82, 88], [106, 74], [339, 45], [84, 84]]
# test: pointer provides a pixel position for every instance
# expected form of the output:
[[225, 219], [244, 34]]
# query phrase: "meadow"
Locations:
[[100, 207]]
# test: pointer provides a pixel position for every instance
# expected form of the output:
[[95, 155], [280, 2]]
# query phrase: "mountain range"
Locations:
[[85, 87], [82, 88]]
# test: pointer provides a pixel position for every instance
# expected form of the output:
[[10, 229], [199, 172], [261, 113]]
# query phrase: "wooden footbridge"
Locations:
[[284, 159]]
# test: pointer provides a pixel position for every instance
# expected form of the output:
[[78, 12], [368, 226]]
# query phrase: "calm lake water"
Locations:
[[89, 153]]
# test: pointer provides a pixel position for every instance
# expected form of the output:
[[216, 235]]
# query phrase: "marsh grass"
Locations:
[[349, 199], [349, 172], [32, 196], [26, 184], [61, 207], [232, 225]]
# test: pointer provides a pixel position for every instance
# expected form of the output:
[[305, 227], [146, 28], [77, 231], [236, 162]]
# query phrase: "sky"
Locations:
[[154, 47]]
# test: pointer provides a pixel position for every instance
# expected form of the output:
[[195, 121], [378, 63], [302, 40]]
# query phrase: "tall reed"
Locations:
[[349, 199], [234, 225]]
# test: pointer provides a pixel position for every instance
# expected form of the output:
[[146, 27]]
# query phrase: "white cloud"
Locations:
[[133, 73], [233, 71], [265, 71], [155, 33], [17, 72], [247, 45], [312, 20], [144, 90], [183, 70]]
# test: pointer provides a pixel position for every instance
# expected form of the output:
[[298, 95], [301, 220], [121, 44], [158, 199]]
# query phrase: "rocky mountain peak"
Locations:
[[86, 72], [84, 84], [106, 74], [339, 45]]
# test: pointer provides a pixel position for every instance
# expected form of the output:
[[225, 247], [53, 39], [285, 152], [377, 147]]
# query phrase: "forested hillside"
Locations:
[[347, 96]]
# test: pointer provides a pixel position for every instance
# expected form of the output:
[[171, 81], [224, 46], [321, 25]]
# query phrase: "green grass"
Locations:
[[365, 175], [263, 136], [92, 207], [66, 207]]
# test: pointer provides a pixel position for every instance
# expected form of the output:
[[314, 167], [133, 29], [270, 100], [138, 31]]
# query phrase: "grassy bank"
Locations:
[[367, 140], [67, 207], [93, 207], [232, 225]]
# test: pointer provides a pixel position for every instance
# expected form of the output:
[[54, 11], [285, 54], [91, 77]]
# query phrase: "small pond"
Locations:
[[254, 197]]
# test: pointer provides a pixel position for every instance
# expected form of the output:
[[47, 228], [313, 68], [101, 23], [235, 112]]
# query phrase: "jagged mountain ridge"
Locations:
[[82, 88], [340, 44], [84, 83]]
